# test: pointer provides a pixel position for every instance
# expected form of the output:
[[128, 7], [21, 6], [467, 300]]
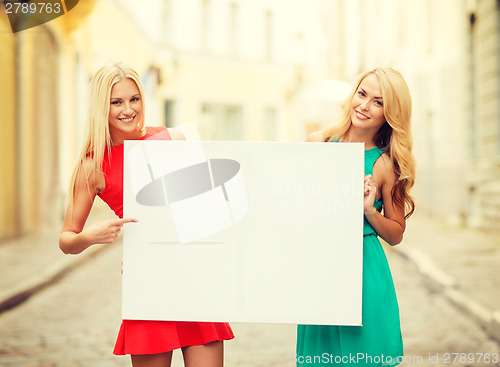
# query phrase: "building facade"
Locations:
[[256, 70], [449, 54], [8, 167], [483, 133], [44, 76], [233, 67]]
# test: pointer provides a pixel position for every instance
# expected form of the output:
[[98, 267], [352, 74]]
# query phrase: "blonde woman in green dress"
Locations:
[[378, 113]]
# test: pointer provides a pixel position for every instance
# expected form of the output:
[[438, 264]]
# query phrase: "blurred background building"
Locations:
[[256, 70]]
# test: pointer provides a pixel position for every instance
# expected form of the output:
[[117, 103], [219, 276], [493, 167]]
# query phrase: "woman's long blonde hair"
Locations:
[[98, 136], [394, 136]]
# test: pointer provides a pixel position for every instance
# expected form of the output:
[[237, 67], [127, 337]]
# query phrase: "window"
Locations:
[[221, 122], [270, 128], [233, 29], [497, 75], [168, 110], [232, 123], [205, 25], [268, 35], [472, 126], [166, 21]]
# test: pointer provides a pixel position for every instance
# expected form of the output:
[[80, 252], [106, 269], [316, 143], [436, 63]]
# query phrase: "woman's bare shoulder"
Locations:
[[384, 168], [176, 134], [87, 166], [89, 176], [315, 137]]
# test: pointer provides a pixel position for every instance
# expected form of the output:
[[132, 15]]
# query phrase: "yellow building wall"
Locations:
[[8, 163]]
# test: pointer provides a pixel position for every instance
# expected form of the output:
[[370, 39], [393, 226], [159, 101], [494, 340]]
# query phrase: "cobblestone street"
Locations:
[[75, 321]]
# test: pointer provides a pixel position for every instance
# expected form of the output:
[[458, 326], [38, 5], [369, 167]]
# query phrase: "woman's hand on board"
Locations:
[[74, 240], [106, 231], [370, 191]]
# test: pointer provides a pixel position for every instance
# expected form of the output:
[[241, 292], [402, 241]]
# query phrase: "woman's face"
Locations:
[[125, 110], [367, 106]]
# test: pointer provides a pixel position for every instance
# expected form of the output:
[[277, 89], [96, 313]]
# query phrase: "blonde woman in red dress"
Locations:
[[117, 114]]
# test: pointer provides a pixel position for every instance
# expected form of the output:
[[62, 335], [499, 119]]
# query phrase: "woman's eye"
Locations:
[[378, 103], [134, 99], [361, 94], [116, 102]]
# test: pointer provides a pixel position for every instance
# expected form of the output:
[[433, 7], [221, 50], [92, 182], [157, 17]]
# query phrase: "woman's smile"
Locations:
[[126, 119], [361, 116]]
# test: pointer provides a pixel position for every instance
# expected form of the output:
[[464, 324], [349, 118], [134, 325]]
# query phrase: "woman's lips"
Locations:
[[361, 116], [127, 120]]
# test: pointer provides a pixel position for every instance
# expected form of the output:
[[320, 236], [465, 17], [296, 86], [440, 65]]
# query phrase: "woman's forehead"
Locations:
[[370, 84], [124, 88]]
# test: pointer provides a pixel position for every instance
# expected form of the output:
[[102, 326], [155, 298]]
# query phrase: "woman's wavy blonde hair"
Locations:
[[395, 134], [98, 136]]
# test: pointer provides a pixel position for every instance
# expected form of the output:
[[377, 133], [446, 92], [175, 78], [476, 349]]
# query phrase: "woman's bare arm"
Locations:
[[74, 238], [391, 225]]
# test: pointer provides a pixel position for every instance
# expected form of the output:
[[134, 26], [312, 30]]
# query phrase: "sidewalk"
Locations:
[[30, 263], [464, 264]]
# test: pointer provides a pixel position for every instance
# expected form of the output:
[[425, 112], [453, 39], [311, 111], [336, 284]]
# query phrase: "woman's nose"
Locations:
[[127, 108], [364, 105]]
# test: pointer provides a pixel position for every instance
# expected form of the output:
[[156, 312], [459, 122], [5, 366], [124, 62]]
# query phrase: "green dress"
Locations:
[[378, 342]]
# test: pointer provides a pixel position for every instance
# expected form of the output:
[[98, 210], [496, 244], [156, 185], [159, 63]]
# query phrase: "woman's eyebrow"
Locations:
[[135, 95], [364, 91]]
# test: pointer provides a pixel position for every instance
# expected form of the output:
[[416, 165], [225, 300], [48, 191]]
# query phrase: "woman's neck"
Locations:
[[118, 137]]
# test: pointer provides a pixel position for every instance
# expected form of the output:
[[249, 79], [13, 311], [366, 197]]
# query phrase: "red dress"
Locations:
[[152, 337]]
